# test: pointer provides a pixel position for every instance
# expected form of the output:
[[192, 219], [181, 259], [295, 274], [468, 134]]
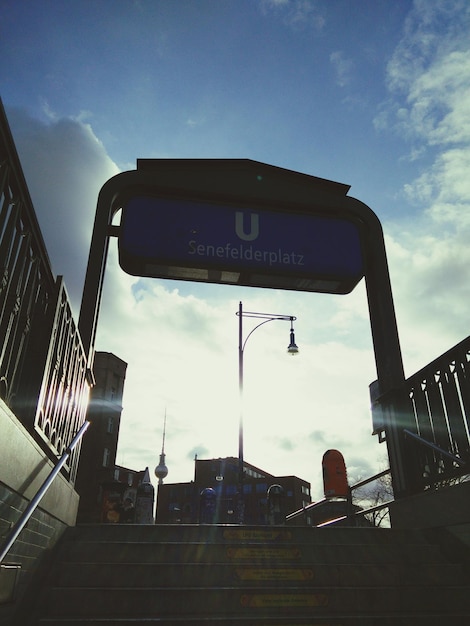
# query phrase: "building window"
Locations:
[[110, 427], [252, 473], [106, 457], [115, 387], [305, 490], [116, 474]]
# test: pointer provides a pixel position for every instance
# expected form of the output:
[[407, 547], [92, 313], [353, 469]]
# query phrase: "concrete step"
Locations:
[[241, 534], [253, 603], [149, 552], [256, 576], [114, 574], [405, 619]]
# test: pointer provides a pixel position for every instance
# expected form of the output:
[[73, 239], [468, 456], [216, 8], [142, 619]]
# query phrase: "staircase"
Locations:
[[123, 575]]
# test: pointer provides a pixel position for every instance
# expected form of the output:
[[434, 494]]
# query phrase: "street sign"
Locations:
[[240, 244]]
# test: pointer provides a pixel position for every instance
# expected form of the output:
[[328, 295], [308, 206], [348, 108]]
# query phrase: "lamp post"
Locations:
[[291, 349]]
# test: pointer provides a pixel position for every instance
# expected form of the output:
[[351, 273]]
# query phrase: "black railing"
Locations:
[[63, 396], [435, 420], [42, 361]]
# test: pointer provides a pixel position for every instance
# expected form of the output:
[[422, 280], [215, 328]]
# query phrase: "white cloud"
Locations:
[[65, 166], [275, 3], [431, 69], [343, 67], [429, 82], [297, 14], [445, 189]]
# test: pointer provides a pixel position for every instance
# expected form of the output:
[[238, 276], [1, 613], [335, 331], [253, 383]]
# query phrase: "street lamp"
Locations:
[[292, 349]]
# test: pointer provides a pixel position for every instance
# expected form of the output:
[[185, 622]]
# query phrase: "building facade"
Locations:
[[97, 471], [184, 503]]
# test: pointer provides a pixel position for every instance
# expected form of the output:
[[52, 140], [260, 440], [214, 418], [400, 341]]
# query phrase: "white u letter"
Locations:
[[254, 226]]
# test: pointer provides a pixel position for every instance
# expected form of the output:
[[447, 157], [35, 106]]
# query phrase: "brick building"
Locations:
[[97, 467]]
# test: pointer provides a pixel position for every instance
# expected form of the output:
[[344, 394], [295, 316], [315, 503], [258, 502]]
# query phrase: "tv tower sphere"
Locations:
[[161, 471]]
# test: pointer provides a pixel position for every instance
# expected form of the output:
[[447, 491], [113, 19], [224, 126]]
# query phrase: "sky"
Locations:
[[371, 93]]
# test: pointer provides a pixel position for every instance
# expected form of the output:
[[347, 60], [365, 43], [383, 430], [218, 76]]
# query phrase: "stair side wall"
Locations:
[[23, 469], [446, 507]]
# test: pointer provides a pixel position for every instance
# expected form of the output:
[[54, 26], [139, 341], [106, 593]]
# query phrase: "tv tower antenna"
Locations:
[[161, 471]]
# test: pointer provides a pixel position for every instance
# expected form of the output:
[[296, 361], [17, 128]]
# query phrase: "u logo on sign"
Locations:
[[240, 226]]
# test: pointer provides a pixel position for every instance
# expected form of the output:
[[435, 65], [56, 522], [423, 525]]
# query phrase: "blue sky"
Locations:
[[371, 93]]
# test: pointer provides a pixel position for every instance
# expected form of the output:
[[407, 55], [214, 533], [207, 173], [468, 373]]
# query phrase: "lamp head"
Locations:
[[292, 347]]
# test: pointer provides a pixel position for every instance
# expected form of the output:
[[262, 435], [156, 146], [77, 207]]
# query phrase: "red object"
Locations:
[[335, 479]]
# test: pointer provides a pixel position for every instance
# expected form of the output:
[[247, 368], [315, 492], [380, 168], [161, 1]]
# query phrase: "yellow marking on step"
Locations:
[[291, 600], [247, 534], [263, 552], [280, 573]]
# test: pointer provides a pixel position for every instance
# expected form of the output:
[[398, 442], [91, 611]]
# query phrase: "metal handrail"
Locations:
[[305, 509], [361, 483], [434, 447], [23, 520], [372, 509], [366, 481]]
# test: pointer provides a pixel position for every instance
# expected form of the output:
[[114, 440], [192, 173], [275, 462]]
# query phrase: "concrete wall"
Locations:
[[23, 469], [449, 506], [445, 513]]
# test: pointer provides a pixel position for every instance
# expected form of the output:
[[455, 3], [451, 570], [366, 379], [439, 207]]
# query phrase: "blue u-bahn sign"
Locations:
[[238, 244]]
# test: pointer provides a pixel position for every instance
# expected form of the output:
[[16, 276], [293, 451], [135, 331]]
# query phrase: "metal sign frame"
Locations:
[[258, 184]]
